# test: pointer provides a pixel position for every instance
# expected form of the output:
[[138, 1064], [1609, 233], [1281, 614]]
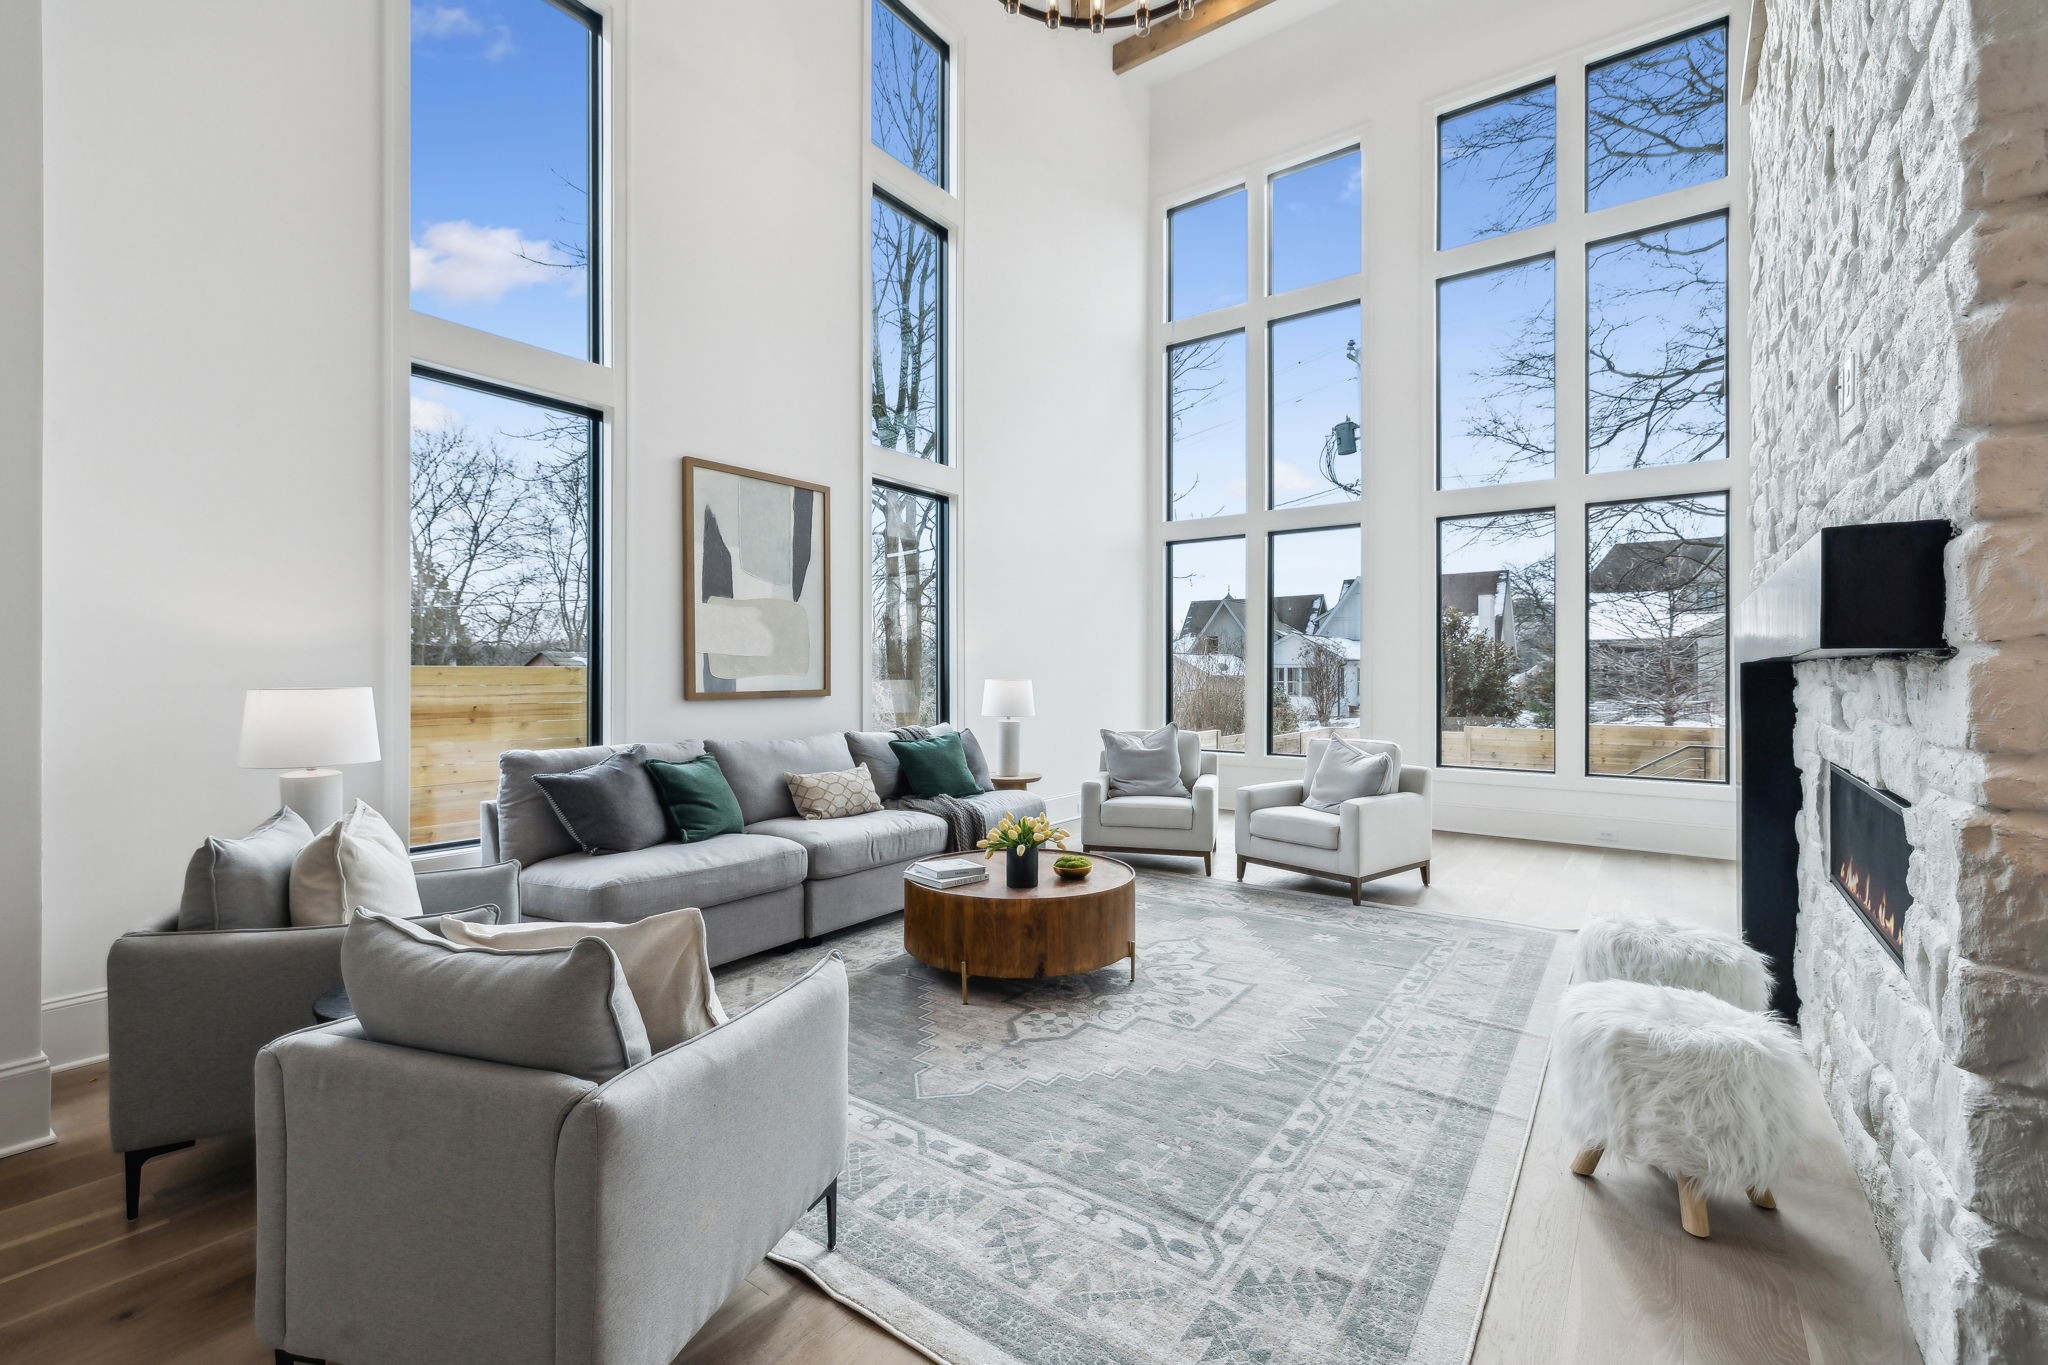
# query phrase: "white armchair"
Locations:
[[1178, 826], [1365, 838]]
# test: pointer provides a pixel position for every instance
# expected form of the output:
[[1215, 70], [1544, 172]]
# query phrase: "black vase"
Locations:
[[1021, 867]]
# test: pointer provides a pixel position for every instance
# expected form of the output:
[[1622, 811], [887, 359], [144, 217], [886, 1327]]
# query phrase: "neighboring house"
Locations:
[[1483, 596], [1656, 629]]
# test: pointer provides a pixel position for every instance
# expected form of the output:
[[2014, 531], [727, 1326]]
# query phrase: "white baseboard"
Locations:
[[75, 1029], [1696, 839], [25, 1105]]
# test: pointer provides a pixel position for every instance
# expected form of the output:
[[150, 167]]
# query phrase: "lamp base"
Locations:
[[315, 793], [1009, 741]]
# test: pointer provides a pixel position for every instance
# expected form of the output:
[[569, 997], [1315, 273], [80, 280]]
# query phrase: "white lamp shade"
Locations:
[[1007, 697], [309, 727]]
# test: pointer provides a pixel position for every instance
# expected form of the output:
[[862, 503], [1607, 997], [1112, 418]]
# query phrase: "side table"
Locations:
[[1014, 782]]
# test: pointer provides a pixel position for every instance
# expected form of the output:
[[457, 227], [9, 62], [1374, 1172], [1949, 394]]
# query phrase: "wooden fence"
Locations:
[[1699, 752], [463, 718]]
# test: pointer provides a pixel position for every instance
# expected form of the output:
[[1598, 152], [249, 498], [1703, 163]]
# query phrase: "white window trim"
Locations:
[[1259, 521], [412, 338], [880, 464]]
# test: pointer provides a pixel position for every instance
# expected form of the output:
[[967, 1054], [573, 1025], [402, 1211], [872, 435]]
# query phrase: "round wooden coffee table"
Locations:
[[1057, 928]]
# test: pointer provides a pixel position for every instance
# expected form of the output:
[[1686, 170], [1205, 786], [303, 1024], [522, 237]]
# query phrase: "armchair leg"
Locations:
[[1209, 864], [1358, 891], [830, 1199], [133, 1160], [1240, 869], [1425, 874]]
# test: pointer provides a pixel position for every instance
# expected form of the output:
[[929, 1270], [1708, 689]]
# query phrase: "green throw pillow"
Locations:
[[936, 766], [699, 800]]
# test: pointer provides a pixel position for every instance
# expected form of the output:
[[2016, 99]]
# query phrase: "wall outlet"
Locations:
[[1607, 836]]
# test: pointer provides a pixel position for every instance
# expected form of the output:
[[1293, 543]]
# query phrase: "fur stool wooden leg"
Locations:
[[1682, 1081]]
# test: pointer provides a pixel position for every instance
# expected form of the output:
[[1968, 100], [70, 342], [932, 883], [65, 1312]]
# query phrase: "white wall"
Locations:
[[24, 1070], [1382, 72], [218, 499]]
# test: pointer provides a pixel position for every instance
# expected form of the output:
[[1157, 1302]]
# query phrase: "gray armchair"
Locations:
[[188, 1010], [415, 1206], [1176, 826], [1363, 839]]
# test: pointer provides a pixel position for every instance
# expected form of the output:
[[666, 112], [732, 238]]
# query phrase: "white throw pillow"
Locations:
[[1142, 763], [665, 960], [1346, 773], [358, 861]]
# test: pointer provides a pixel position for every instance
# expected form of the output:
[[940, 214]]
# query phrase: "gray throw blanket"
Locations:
[[966, 824]]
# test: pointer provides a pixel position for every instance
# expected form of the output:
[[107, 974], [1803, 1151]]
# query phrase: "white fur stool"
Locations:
[[1669, 952], [1690, 1084]]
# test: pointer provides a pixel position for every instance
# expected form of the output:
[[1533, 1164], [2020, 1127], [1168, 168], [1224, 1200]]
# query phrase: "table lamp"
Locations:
[[310, 731], [1008, 699]]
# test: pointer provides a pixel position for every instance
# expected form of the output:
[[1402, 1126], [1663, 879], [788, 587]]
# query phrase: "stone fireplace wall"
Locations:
[[1899, 266]]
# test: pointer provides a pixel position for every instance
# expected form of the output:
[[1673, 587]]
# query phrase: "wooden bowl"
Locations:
[[1073, 874]]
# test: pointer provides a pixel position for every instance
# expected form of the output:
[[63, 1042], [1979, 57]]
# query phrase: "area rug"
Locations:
[[1293, 1139]]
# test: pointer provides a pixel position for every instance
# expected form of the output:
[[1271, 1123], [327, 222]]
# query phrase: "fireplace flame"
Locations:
[[1853, 880]]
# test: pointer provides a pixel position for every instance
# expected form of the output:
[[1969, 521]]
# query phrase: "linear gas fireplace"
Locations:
[[1867, 855]]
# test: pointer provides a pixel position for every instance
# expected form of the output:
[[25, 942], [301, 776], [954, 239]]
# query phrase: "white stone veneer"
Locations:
[[1899, 265]]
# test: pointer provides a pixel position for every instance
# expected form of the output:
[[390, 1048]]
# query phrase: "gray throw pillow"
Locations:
[[870, 748], [567, 1010], [244, 883], [1346, 773], [977, 761], [609, 807], [1143, 764]]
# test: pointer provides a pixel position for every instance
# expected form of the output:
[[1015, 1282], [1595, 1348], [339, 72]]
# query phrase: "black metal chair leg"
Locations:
[[830, 1199], [134, 1162]]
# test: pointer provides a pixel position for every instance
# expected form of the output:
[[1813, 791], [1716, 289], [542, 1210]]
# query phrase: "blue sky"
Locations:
[[501, 169], [1479, 317]]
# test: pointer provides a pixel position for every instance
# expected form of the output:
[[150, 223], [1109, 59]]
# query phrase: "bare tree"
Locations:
[[1194, 380], [466, 510], [1325, 667], [908, 596], [906, 260], [1657, 583]]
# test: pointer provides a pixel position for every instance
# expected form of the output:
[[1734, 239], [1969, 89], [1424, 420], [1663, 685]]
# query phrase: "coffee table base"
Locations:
[[1132, 947]]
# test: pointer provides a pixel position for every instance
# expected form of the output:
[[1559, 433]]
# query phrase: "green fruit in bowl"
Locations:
[[1072, 865]]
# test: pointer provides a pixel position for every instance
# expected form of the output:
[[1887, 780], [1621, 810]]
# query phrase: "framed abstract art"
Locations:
[[757, 584]]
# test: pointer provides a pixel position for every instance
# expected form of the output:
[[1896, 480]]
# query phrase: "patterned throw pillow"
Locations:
[[828, 796]]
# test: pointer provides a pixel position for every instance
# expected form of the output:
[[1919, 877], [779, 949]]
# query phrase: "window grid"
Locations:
[[935, 204], [1574, 488]]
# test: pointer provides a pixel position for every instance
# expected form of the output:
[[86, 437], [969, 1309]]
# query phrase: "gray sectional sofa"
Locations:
[[783, 880]]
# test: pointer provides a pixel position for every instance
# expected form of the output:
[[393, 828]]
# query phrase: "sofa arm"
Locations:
[[685, 1170], [487, 832], [1093, 792], [1387, 831], [459, 888], [1415, 781], [1207, 794], [1260, 795], [405, 1200]]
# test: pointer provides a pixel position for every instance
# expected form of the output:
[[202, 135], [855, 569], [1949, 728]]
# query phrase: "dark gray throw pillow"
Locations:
[[567, 1010], [244, 883], [609, 807], [1143, 764]]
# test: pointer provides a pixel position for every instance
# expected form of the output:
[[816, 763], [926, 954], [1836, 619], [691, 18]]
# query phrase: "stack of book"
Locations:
[[943, 873]]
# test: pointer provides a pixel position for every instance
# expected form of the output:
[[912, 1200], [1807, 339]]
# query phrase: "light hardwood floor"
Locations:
[[1591, 1271]]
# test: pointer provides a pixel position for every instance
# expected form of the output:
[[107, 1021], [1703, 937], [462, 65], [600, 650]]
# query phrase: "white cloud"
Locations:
[[459, 262], [444, 21], [500, 45], [427, 415]]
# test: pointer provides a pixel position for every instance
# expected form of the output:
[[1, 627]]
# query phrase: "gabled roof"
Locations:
[[1658, 565], [1463, 590]]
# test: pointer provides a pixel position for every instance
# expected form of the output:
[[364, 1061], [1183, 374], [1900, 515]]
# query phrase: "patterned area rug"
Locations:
[[1293, 1139]]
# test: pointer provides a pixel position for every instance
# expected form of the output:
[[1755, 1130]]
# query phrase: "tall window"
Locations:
[[914, 219], [1313, 619], [908, 574], [1497, 641], [506, 442], [1640, 231], [1261, 533], [1206, 639], [504, 138]]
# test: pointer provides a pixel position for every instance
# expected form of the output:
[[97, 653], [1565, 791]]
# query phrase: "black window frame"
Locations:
[[920, 29], [1172, 626], [1267, 690], [1727, 495], [1437, 634], [942, 377], [594, 668], [945, 602]]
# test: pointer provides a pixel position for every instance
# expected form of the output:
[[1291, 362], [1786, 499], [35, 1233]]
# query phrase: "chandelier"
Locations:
[[1089, 14]]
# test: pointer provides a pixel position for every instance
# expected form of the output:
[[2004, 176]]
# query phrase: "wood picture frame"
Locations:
[[757, 584]]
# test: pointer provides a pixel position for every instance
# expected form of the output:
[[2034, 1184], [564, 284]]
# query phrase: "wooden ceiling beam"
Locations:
[[1169, 32]]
